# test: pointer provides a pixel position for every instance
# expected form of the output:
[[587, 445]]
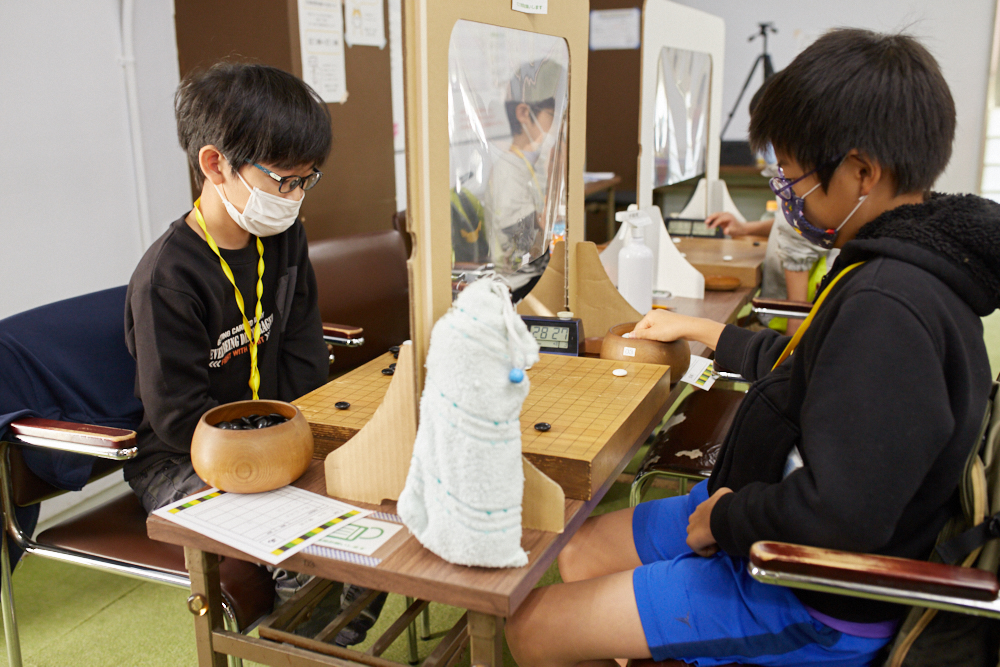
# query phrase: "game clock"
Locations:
[[556, 335]]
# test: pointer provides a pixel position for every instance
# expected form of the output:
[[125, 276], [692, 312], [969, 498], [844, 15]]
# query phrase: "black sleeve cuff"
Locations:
[[721, 531], [732, 348]]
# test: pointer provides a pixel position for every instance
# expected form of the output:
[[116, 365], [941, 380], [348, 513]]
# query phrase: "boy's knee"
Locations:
[[572, 563], [518, 632]]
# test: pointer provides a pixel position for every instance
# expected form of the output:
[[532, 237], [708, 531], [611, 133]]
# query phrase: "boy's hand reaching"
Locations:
[[699, 528], [665, 326]]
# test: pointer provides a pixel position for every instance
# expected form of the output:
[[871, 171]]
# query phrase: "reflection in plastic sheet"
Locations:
[[507, 122], [680, 117]]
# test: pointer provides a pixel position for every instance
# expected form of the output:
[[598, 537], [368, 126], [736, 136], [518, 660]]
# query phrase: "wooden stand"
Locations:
[[372, 465]]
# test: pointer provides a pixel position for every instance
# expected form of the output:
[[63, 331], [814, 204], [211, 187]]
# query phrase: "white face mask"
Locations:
[[265, 214]]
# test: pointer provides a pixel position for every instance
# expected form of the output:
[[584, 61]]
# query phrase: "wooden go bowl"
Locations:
[[677, 354], [255, 460]]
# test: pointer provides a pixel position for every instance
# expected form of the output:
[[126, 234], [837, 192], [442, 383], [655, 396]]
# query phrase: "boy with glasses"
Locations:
[[857, 441], [223, 307]]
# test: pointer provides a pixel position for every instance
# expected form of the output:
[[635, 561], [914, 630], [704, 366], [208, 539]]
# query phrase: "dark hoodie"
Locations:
[[883, 397]]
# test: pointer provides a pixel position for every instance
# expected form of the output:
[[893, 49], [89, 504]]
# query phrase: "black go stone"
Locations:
[[252, 421], [341, 405], [543, 426], [388, 371]]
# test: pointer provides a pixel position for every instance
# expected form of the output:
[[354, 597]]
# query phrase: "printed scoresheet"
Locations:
[[270, 526]]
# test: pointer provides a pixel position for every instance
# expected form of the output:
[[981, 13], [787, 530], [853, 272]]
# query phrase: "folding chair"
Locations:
[[67, 407]]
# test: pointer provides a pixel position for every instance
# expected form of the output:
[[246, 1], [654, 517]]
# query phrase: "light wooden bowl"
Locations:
[[677, 354], [256, 460]]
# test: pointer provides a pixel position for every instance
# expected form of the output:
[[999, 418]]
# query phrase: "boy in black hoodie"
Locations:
[[857, 440]]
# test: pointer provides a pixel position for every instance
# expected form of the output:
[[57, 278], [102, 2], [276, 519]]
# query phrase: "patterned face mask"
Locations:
[[793, 208]]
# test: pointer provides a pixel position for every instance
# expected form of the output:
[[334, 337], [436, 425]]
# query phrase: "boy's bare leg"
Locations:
[[591, 618], [587, 621], [602, 546]]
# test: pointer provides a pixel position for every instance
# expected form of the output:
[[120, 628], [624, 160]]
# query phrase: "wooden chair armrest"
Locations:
[[341, 334], [781, 307], [342, 330], [828, 566], [102, 441]]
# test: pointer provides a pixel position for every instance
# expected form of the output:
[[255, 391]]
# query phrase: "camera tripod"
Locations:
[[764, 58]]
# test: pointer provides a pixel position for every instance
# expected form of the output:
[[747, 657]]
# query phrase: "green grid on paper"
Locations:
[[196, 501], [315, 531]]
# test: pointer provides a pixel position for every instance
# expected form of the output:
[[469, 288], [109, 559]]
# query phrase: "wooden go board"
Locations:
[[585, 405], [364, 388]]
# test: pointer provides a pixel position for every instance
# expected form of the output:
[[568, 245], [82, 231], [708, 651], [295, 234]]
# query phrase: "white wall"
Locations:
[[958, 33], [69, 221]]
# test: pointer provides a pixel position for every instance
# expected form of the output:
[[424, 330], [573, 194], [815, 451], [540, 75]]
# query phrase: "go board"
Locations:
[[595, 417], [364, 388]]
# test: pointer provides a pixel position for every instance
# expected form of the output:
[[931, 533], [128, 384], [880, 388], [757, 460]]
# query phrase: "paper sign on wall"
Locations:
[[364, 24], [321, 39], [615, 29], [530, 6]]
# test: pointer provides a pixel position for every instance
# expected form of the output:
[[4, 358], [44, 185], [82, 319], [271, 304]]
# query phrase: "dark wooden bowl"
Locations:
[[256, 460], [677, 354]]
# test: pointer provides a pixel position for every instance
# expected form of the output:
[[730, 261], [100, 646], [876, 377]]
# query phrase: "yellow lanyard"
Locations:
[[518, 153], [254, 336], [793, 343]]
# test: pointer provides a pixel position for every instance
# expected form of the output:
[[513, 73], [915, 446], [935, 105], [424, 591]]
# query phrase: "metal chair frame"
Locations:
[[29, 546]]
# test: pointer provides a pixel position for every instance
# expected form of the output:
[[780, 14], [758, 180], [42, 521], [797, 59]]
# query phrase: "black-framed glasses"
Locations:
[[288, 184]]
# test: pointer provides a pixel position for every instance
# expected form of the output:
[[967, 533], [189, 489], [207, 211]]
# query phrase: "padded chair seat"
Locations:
[[692, 446], [247, 587]]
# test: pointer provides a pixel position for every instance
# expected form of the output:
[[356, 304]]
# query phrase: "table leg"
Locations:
[[205, 603], [485, 640]]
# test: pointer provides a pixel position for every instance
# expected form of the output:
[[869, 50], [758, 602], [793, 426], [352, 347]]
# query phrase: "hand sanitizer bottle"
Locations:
[[635, 263]]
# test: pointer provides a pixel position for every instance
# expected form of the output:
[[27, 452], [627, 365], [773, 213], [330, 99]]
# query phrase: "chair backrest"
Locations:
[[362, 281], [927, 636], [68, 361]]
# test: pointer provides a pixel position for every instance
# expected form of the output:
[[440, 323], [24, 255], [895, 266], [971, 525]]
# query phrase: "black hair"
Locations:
[[755, 100], [251, 113], [536, 108], [883, 95]]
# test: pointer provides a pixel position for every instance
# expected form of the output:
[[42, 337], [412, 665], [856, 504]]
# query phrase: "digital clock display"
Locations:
[[554, 337], [563, 335]]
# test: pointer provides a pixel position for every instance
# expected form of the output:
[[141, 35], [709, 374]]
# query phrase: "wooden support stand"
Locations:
[[372, 466], [592, 296]]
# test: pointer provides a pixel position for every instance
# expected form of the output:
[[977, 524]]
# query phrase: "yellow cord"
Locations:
[[254, 336], [794, 342]]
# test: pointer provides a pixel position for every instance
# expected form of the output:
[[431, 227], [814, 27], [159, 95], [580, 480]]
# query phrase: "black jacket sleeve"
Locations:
[[171, 349], [752, 354], [868, 441]]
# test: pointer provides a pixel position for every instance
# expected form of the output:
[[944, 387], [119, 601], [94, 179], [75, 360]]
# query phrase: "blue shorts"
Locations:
[[710, 611]]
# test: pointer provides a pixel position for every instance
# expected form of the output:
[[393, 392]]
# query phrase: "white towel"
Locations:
[[463, 492]]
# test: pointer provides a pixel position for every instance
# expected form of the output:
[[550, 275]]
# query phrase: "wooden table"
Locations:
[[489, 595], [746, 255]]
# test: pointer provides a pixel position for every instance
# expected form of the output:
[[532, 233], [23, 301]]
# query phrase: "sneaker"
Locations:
[[356, 631]]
